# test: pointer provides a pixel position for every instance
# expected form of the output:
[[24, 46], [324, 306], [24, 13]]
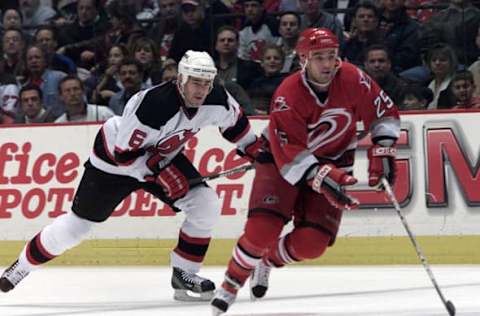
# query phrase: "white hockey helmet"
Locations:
[[198, 65]]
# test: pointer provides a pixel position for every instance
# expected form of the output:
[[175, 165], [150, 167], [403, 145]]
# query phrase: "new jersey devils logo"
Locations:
[[332, 125], [172, 142]]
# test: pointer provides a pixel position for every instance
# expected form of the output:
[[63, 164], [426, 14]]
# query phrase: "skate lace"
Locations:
[[192, 278], [263, 272]]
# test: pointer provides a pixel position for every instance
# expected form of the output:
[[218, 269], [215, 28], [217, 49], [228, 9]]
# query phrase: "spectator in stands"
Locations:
[[415, 97], [194, 32], [124, 29], [12, 19], [400, 33], [105, 80], [166, 26], [8, 92], [262, 88], [72, 93], [259, 30], [33, 110], [145, 50], [314, 16], [35, 14], [131, 77], [169, 72], [38, 74], [442, 63], [46, 37], [457, 26], [230, 67], [363, 34], [289, 30], [378, 65], [77, 40], [13, 45], [463, 87]]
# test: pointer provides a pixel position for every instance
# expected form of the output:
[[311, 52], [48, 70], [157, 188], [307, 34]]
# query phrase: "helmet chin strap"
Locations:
[[322, 86]]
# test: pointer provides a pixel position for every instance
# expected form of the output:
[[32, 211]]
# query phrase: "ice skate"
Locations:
[[259, 281], [191, 287], [224, 298], [12, 276]]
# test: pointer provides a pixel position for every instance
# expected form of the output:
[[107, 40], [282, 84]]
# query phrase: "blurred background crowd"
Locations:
[[81, 60]]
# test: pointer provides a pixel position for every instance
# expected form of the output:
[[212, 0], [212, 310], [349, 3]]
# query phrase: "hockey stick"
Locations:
[[221, 174], [448, 304]]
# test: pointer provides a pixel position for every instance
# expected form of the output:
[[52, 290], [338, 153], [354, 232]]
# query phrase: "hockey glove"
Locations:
[[330, 181], [251, 151], [173, 182], [381, 163]]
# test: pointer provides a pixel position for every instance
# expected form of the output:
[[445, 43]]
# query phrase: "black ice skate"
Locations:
[[259, 281], [12, 276], [185, 284]]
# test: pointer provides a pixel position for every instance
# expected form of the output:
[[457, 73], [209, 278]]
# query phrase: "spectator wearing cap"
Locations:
[[314, 16], [32, 108], [194, 32], [260, 29]]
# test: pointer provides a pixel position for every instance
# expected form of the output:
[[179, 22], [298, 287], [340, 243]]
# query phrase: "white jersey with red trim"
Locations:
[[155, 126], [304, 131]]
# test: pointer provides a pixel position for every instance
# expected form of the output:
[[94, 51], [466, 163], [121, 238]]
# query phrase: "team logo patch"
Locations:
[[280, 104]]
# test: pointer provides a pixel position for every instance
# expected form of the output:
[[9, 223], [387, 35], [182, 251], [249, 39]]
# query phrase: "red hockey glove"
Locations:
[[330, 181], [381, 163], [173, 182], [251, 151]]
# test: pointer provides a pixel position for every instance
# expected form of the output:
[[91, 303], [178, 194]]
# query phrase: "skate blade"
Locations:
[[189, 296]]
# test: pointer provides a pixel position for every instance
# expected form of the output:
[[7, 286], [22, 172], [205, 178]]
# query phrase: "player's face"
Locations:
[[321, 65], [196, 90]]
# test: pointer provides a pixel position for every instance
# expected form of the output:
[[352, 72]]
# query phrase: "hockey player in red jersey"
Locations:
[[307, 162], [142, 149]]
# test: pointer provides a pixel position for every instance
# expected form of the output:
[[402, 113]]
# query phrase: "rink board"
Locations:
[[437, 186]]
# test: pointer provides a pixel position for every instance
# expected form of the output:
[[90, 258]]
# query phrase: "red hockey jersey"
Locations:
[[304, 131]]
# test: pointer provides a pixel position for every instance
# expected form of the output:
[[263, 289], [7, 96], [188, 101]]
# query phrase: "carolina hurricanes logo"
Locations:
[[280, 104], [172, 142], [332, 125]]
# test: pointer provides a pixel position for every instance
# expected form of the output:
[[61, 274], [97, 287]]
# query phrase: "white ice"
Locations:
[[294, 291]]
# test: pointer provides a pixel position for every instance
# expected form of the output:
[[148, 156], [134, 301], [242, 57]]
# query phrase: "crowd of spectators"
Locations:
[[81, 60]]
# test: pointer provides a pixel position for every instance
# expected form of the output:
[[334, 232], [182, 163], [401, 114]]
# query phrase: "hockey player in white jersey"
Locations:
[[142, 149]]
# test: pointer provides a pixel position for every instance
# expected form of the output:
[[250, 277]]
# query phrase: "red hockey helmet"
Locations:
[[314, 39]]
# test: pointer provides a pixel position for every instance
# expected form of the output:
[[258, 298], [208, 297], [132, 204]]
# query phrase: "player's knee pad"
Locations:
[[307, 243], [262, 230], [202, 208], [65, 232]]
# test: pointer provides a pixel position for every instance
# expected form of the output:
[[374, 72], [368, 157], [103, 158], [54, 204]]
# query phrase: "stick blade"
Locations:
[[451, 308]]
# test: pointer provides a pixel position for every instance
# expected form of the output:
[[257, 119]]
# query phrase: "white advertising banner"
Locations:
[[438, 182]]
